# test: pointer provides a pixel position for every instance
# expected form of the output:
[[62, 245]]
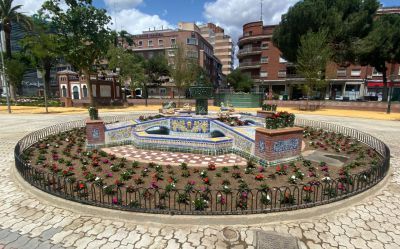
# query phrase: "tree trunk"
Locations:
[[7, 37], [89, 86], [13, 94], [47, 80], [179, 97], [385, 85], [46, 87]]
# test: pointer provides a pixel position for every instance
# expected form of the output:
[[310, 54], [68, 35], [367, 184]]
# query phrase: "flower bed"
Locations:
[[197, 188], [233, 121], [280, 120], [147, 118]]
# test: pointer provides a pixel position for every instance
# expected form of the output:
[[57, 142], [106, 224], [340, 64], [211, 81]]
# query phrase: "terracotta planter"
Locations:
[[279, 144], [265, 114], [95, 132]]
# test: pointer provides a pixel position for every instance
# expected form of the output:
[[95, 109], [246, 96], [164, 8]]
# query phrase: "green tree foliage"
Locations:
[[130, 67], [381, 46], [184, 70], [9, 14], [15, 70], [343, 20], [239, 81], [42, 49], [313, 56], [84, 37]]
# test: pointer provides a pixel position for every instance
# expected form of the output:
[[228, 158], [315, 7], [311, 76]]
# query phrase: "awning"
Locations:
[[380, 84]]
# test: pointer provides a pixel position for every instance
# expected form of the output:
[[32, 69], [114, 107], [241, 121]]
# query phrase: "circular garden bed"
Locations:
[[60, 164]]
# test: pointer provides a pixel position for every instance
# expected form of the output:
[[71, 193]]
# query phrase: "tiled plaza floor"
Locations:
[[165, 158], [28, 222]]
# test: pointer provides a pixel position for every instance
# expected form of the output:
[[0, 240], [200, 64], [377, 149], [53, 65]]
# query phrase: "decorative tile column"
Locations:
[[95, 133], [275, 145]]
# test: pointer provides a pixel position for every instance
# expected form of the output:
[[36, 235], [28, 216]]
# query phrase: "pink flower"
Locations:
[[115, 200]]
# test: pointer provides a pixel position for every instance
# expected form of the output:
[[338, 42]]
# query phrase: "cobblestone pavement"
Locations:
[[26, 222], [166, 157]]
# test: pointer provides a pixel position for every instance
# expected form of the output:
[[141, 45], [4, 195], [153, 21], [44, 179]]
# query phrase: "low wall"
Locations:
[[159, 102], [362, 106]]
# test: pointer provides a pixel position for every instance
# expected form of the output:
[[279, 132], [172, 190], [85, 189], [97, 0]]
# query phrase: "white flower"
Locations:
[[293, 177], [67, 140], [97, 179], [226, 187], [326, 179]]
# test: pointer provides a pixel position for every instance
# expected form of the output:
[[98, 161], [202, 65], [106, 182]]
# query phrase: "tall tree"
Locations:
[[129, 66], [239, 81], [182, 69], [10, 14], [84, 37], [381, 46], [343, 20], [312, 58], [156, 69], [42, 49]]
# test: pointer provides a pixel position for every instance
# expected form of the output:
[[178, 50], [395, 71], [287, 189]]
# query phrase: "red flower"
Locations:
[[81, 186], [206, 180], [307, 189], [278, 168], [259, 177], [211, 166]]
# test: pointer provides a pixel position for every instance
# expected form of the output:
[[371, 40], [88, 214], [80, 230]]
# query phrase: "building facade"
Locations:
[[260, 59], [222, 43], [164, 42], [74, 89]]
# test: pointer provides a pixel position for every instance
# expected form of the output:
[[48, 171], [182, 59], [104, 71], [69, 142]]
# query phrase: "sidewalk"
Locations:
[[325, 112]]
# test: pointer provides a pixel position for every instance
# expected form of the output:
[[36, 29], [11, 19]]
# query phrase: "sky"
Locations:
[[136, 16]]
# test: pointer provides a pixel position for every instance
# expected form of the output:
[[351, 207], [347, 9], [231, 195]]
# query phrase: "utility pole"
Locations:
[[261, 16], [389, 106], [3, 72]]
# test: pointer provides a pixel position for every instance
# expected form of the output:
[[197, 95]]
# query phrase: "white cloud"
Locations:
[[122, 4], [29, 7], [232, 14], [135, 21]]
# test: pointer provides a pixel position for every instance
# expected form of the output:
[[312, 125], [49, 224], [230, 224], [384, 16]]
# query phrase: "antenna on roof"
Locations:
[[261, 16]]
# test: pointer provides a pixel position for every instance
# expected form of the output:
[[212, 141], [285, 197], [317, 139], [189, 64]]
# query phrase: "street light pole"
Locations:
[[3, 72]]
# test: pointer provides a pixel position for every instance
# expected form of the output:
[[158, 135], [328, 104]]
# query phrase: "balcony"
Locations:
[[248, 38], [251, 64], [249, 51]]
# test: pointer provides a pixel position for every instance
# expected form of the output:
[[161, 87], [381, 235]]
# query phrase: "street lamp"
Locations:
[[3, 71]]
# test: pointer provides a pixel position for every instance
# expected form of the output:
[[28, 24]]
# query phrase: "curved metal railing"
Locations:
[[204, 202]]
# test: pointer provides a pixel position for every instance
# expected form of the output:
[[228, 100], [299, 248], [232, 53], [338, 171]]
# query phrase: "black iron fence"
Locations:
[[204, 201]]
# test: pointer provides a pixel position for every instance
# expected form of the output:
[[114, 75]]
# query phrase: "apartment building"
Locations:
[[163, 42], [259, 58], [222, 43]]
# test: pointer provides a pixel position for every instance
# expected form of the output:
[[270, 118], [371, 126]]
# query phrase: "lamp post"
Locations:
[[3, 71]]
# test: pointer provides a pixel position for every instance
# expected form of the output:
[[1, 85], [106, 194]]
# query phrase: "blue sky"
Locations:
[[136, 16]]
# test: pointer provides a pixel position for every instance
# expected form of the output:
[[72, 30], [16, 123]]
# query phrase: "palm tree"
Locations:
[[8, 15]]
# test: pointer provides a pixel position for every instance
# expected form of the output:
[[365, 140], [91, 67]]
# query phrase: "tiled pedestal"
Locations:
[[265, 114], [95, 130], [279, 144]]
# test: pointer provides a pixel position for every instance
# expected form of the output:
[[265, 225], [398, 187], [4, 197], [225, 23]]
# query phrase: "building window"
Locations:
[[265, 45], [192, 54], [75, 92], [150, 43], [161, 43], [105, 91], [85, 92], [376, 73], [163, 91], [173, 41], [399, 71], [171, 53], [355, 72], [64, 91], [263, 74], [341, 72], [264, 59], [140, 43], [281, 60], [282, 73], [191, 41]]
